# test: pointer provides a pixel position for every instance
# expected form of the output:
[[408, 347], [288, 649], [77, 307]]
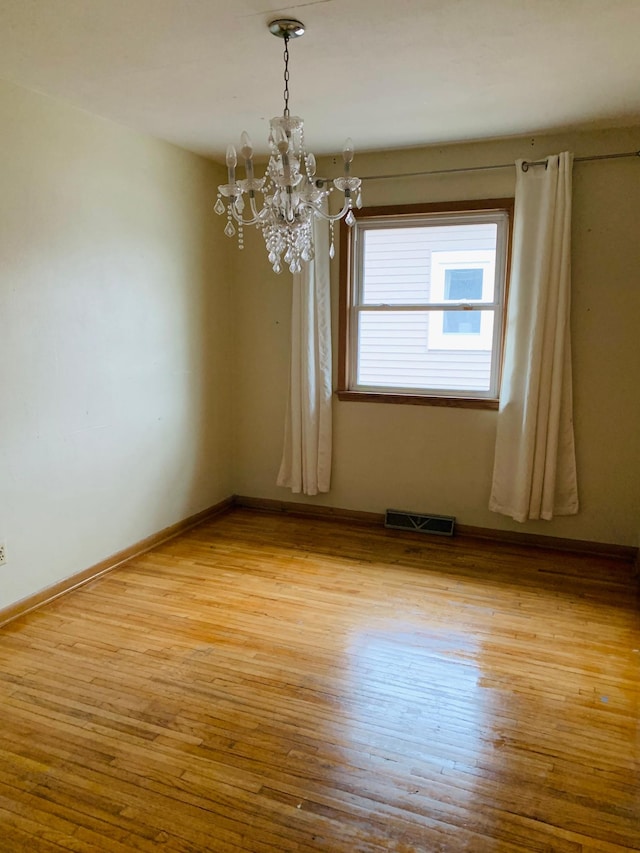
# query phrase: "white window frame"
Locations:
[[498, 211]]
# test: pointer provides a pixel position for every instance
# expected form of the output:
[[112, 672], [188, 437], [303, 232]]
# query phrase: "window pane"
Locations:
[[463, 284], [407, 265], [461, 322], [398, 349], [396, 266]]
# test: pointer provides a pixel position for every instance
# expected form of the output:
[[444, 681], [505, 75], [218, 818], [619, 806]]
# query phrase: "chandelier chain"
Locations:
[[286, 76]]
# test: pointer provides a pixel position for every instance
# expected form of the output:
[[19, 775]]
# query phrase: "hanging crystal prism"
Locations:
[[219, 207], [229, 229], [350, 218]]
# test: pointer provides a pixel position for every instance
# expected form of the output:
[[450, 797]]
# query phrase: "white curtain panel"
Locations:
[[535, 469], [306, 456]]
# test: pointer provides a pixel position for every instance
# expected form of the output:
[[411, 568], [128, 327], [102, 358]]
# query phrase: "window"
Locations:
[[422, 303]]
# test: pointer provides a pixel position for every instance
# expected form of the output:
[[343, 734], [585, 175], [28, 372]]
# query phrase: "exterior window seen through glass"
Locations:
[[459, 286]]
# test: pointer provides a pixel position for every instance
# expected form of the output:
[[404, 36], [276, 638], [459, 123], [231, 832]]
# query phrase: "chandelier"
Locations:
[[285, 202]]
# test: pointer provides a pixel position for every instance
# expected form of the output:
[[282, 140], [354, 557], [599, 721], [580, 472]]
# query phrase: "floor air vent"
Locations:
[[442, 525]]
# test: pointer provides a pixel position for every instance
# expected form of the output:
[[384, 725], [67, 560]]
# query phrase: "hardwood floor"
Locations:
[[265, 683]]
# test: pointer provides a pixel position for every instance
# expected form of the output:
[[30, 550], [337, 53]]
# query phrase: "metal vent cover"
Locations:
[[441, 525]]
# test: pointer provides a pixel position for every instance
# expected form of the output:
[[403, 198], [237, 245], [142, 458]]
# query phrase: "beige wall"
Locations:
[[440, 460], [114, 344]]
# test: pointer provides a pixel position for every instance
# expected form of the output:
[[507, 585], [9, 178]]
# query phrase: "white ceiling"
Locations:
[[389, 73]]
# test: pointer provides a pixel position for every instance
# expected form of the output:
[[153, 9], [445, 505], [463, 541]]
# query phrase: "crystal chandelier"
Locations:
[[291, 195]]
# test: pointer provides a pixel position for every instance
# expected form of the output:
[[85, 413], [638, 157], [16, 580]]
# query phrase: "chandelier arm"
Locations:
[[254, 209], [239, 219], [328, 217]]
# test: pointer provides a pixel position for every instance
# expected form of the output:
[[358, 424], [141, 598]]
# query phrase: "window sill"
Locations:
[[417, 400]]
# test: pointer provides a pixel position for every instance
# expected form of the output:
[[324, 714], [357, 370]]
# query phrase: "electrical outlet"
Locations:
[[3, 554]]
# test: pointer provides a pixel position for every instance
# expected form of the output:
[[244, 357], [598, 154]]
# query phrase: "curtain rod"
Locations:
[[525, 166]]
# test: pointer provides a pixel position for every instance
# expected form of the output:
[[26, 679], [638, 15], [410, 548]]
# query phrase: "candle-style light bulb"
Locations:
[[347, 154], [231, 163], [246, 145], [246, 148], [281, 140], [232, 159]]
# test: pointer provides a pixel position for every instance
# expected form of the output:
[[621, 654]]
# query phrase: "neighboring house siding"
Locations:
[[461, 369]]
